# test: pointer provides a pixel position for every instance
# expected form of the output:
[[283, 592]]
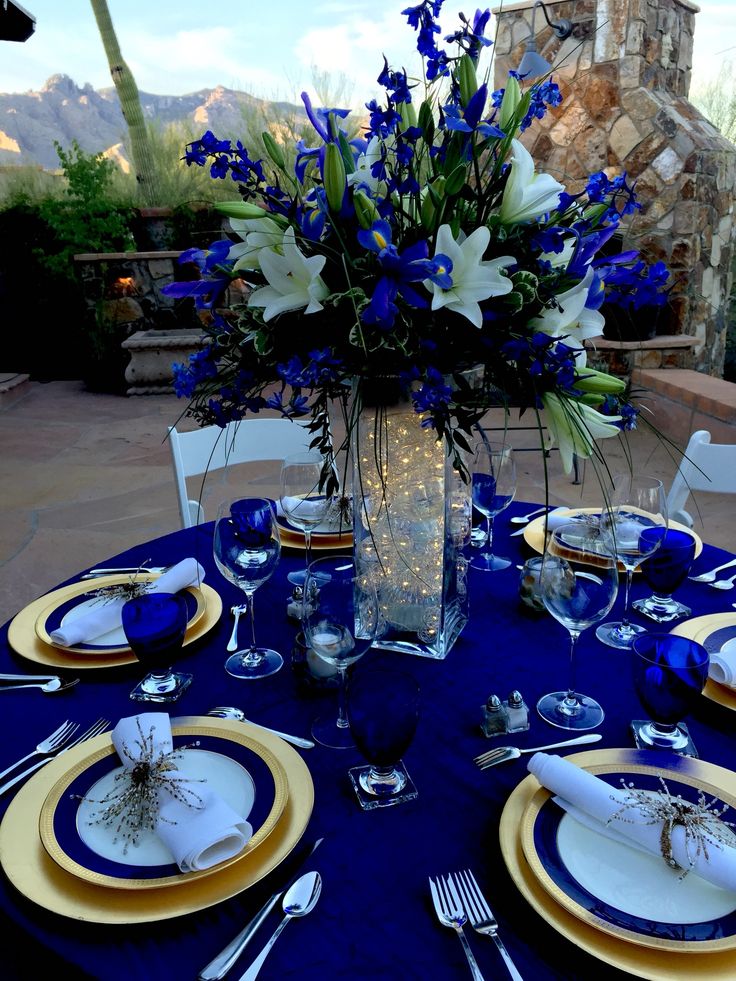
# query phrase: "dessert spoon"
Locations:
[[51, 687], [229, 712]]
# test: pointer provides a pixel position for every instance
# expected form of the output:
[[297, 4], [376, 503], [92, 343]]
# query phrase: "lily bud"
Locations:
[[334, 176], [274, 150], [408, 115], [598, 382], [241, 209], [466, 79], [509, 105], [365, 210]]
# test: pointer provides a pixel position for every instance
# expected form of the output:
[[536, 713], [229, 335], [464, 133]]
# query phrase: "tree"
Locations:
[[717, 101], [130, 103]]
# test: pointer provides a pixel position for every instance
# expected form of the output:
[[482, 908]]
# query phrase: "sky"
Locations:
[[265, 47]]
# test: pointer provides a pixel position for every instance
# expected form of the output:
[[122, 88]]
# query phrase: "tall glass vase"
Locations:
[[411, 521]]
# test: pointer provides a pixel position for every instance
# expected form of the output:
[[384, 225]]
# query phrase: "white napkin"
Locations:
[[562, 516], [105, 617], [723, 664], [198, 837], [600, 801]]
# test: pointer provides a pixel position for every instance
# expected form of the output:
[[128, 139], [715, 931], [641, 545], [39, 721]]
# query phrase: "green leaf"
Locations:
[[526, 284], [513, 302], [457, 179]]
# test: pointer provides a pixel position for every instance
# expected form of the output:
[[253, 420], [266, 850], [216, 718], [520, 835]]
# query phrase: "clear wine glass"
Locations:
[[383, 710], [304, 505], [154, 625], [634, 524], [669, 674], [247, 549], [494, 486], [578, 585], [340, 617]]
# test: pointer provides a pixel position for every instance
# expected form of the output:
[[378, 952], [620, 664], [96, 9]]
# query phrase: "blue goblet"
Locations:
[[154, 625], [669, 675], [664, 572]]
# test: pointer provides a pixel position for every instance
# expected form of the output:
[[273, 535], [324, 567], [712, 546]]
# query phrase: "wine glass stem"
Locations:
[[342, 716], [308, 545], [489, 540], [571, 696], [625, 616], [252, 653]]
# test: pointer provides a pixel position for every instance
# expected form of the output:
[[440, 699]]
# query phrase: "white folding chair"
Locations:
[[212, 448], [705, 466]]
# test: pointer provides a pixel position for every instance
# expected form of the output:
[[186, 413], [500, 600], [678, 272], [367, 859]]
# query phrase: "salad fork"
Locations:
[[49, 745], [450, 914], [480, 916], [502, 753], [94, 730], [710, 576]]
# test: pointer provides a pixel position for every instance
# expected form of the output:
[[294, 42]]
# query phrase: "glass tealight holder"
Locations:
[[530, 592], [312, 672]]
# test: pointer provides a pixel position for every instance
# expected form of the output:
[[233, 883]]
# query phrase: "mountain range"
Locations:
[[30, 122]]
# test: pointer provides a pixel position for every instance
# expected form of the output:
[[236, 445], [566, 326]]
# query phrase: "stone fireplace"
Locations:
[[624, 75]]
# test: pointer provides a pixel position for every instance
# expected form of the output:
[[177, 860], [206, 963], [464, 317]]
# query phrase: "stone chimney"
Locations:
[[625, 75]]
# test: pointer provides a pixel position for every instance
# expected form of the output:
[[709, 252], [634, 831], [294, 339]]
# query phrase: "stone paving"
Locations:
[[85, 475]]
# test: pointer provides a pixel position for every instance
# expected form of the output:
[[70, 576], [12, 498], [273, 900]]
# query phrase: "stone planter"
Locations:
[[152, 354]]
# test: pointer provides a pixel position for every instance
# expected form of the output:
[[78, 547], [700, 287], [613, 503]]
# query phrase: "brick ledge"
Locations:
[[703, 393]]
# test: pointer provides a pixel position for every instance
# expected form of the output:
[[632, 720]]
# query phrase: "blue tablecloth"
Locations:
[[374, 919]]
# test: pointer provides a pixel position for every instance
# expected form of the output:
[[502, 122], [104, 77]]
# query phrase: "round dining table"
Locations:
[[375, 917]]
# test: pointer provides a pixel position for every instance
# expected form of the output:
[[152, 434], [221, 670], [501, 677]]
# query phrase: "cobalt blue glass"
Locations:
[[664, 572], [155, 625], [383, 709], [247, 548], [669, 675]]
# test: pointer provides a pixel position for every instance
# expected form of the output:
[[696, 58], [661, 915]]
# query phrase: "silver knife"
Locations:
[[123, 571], [220, 965]]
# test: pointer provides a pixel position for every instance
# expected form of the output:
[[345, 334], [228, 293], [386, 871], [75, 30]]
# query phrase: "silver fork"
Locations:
[[450, 914], [710, 576], [48, 745], [480, 916], [94, 730]]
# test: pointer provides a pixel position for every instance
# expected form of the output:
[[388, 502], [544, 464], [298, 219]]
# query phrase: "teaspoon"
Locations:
[[298, 901], [50, 687], [228, 712]]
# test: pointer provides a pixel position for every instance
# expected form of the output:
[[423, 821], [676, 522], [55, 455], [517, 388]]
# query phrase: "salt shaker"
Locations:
[[494, 717], [518, 712]]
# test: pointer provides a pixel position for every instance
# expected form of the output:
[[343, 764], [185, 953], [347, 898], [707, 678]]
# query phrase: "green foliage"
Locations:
[[85, 219]]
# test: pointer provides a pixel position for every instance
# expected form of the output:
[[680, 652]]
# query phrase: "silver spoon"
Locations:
[[48, 687], [723, 583], [237, 612], [522, 519], [229, 712], [298, 901]]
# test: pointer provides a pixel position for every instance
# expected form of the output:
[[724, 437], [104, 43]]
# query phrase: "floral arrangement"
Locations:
[[427, 247]]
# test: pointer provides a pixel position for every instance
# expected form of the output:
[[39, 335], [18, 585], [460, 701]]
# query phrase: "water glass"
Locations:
[[494, 487], [669, 674], [664, 572], [383, 709], [340, 619], [304, 505], [638, 505], [578, 582], [154, 625], [247, 549]]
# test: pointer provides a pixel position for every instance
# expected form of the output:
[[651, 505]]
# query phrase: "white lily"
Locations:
[[527, 195], [294, 280], [362, 173], [570, 316], [574, 427], [472, 278], [257, 234]]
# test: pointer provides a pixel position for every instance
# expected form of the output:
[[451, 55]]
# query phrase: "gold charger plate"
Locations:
[[534, 532], [697, 629], [24, 640], [242, 737], [643, 962], [37, 877], [324, 541], [80, 588]]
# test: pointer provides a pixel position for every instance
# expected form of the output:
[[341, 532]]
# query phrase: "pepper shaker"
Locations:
[[494, 717], [518, 712]]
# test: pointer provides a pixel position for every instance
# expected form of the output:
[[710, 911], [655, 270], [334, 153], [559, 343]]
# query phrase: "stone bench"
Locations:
[[623, 357], [683, 401]]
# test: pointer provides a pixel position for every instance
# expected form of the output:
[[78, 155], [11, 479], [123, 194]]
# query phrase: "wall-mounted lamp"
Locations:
[[532, 64]]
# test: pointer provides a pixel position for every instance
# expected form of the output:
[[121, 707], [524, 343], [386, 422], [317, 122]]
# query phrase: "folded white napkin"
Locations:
[[599, 801], [723, 664], [104, 617], [562, 516], [198, 837]]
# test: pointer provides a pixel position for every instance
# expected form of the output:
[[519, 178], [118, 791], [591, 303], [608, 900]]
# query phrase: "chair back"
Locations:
[[212, 448], [705, 466]]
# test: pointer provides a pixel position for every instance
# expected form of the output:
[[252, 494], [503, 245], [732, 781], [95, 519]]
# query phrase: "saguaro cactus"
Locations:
[[130, 103]]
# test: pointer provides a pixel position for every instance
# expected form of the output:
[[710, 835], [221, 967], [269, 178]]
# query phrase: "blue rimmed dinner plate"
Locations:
[[712, 631], [80, 598], [237, 766], [619, 890]]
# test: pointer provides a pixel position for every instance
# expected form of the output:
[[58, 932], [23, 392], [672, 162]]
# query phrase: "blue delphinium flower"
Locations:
[[433, 396], [543, 95]]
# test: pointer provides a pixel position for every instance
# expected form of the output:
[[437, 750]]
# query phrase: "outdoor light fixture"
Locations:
[[16, 24], [532, 64]]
